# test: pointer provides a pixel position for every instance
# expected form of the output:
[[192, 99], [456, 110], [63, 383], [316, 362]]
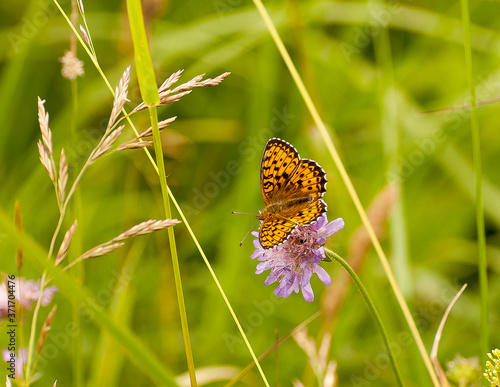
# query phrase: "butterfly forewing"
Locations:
[[279, 161], [291, 188]]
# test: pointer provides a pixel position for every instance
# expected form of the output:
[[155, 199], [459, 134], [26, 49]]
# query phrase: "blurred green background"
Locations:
[[375, 72]]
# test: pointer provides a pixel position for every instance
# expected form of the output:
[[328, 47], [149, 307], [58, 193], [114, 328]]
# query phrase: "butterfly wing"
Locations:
[[279, 161], [307, 180], [291, 188], [277, 228], [307, 213], [274, 231]]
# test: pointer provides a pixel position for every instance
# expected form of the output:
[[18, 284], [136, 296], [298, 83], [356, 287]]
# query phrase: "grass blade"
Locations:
[[476, 150], [150, 96]]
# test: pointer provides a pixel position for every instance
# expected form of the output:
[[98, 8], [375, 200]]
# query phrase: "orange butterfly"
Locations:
[[291, 188]]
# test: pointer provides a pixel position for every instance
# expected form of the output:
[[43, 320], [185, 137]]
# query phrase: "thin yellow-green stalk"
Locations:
[[391, 143], [484, 328], [372, 309]]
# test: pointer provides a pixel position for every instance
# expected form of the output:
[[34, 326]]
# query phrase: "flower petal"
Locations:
[[323, 275], [306, 276], [308, 293], [333, 227], [293, 263], [261, 267], [319, 223]]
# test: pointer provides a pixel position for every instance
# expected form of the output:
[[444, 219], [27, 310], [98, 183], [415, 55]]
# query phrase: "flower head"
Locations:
[[492, 373], [26, 293], [463, 371], [294, 262], [72, 67]]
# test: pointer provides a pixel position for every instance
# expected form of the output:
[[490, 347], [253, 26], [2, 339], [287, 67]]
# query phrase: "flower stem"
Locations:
[[476, 150], [372, 309]]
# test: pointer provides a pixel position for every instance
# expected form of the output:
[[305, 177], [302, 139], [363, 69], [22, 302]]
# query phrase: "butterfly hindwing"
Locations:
[[308, 180], [309, 212], [274, 231]]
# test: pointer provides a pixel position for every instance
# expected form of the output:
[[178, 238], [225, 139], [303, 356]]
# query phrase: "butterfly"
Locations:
[[291, 188]]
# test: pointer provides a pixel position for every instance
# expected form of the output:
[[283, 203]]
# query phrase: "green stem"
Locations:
[[76, 244], [372, 309], [31, 343], [173, 249], [391, 144], [476, 150]]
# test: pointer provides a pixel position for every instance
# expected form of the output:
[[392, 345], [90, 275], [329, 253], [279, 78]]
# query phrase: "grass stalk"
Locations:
[[149, 92], [391, 144], [44, 280], [77, 272], [173, 247], [31, 343], [372, 309], [476, 151], [350, 187]]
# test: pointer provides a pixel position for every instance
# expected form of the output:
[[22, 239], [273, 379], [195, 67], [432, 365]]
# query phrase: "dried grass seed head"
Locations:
[[43, 120], [68, 237], [121, 93], [62, 180], [107, 143], [46, 161], [72, 67]]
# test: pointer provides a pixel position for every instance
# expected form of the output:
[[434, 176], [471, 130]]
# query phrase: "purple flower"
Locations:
[[26, 293], [293, 262]]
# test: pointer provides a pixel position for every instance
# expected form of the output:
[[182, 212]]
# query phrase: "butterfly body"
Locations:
[[291, 188], [282, 206]]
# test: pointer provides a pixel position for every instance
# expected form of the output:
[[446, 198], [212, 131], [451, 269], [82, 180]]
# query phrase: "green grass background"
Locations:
[[212, 154]]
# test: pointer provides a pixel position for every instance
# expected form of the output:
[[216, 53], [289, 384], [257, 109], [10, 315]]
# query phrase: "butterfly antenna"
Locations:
[[242, 213], [248, 232]]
